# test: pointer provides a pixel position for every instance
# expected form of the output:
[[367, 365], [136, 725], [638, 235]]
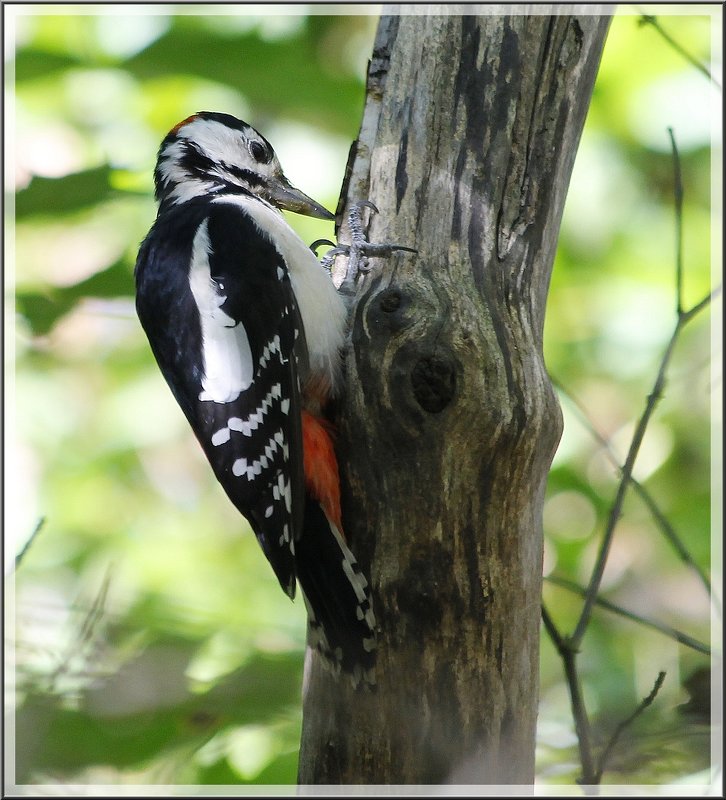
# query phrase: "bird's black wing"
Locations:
[[215, 299]]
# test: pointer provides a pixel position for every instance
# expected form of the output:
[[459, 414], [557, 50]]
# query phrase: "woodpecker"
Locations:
[[247, 327]]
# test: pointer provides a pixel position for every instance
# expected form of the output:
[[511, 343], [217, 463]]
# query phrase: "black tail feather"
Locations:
[[341, 625]]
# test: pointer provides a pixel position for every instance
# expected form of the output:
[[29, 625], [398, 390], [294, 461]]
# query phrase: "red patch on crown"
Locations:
[[181, 124]]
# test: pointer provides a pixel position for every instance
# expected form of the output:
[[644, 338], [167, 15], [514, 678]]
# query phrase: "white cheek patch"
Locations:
[[227, 358], [169, 167], [185, 186]]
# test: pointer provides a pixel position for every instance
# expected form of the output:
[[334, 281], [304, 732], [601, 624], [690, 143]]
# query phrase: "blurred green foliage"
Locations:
[[151, 641]]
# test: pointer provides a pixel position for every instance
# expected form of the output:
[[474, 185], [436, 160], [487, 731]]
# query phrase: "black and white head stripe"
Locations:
[[210, 153]]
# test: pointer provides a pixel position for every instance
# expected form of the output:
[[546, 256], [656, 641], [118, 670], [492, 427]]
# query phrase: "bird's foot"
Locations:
[[359, 250]]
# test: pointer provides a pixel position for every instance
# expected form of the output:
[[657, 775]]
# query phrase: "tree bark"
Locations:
[[449, 422]]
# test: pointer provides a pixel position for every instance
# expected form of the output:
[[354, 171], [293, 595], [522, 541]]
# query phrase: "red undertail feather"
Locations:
[[321, 465], [341, 623]]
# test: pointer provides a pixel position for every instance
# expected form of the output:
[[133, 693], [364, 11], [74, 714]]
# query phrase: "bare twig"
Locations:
[[666, 630], [86, 638], [670, 534], [591, 775], [21, 555], [568, 646], [683, 317], [97, 609], [678, 202], [687, 316], [579, 711], [551, 629], [660, 518], [625, 723], [649, 19], [617, 506]]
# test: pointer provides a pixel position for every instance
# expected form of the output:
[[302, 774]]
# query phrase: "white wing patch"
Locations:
[[228, 367]]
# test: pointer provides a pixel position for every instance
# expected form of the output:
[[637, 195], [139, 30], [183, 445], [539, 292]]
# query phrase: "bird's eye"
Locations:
[[259, 152]]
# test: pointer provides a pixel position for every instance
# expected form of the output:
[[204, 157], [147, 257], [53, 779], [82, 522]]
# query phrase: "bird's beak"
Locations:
[[284, 195]]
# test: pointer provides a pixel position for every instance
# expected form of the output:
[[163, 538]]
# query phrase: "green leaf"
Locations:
[[43, 309], [51, 738], [33, 63], [279, 77], [219, 773], [282, 770], [53, 196]]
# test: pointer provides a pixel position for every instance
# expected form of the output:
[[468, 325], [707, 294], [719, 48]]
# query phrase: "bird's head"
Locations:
[[210, 153]]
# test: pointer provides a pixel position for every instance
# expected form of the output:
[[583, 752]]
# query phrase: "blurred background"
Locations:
[[148, 640]]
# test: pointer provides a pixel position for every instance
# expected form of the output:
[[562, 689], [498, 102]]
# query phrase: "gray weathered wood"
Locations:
[[449, 422]]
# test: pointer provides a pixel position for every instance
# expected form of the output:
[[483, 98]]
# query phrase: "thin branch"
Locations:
[[85, 637], [627, 471], [583, 729], [21, 555], [568, 647], [678, 202], [97, 610], [670, 534], [551, 629], [666, 630], [686, 316], [617, 506], [649, 19], [663, 523], [625, 723]]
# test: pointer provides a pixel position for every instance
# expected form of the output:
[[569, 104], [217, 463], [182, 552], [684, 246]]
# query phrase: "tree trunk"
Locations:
[[449, 422]]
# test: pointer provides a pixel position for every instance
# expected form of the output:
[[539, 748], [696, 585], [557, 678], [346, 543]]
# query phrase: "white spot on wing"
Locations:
[[241, 425], [221, 436], [254, 467], [253, 421]]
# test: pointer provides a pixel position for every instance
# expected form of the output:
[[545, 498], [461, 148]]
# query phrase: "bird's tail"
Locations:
[[341, 624]]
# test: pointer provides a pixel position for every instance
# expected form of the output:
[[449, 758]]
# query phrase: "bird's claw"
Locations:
[[360, 249], [319, 243]]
